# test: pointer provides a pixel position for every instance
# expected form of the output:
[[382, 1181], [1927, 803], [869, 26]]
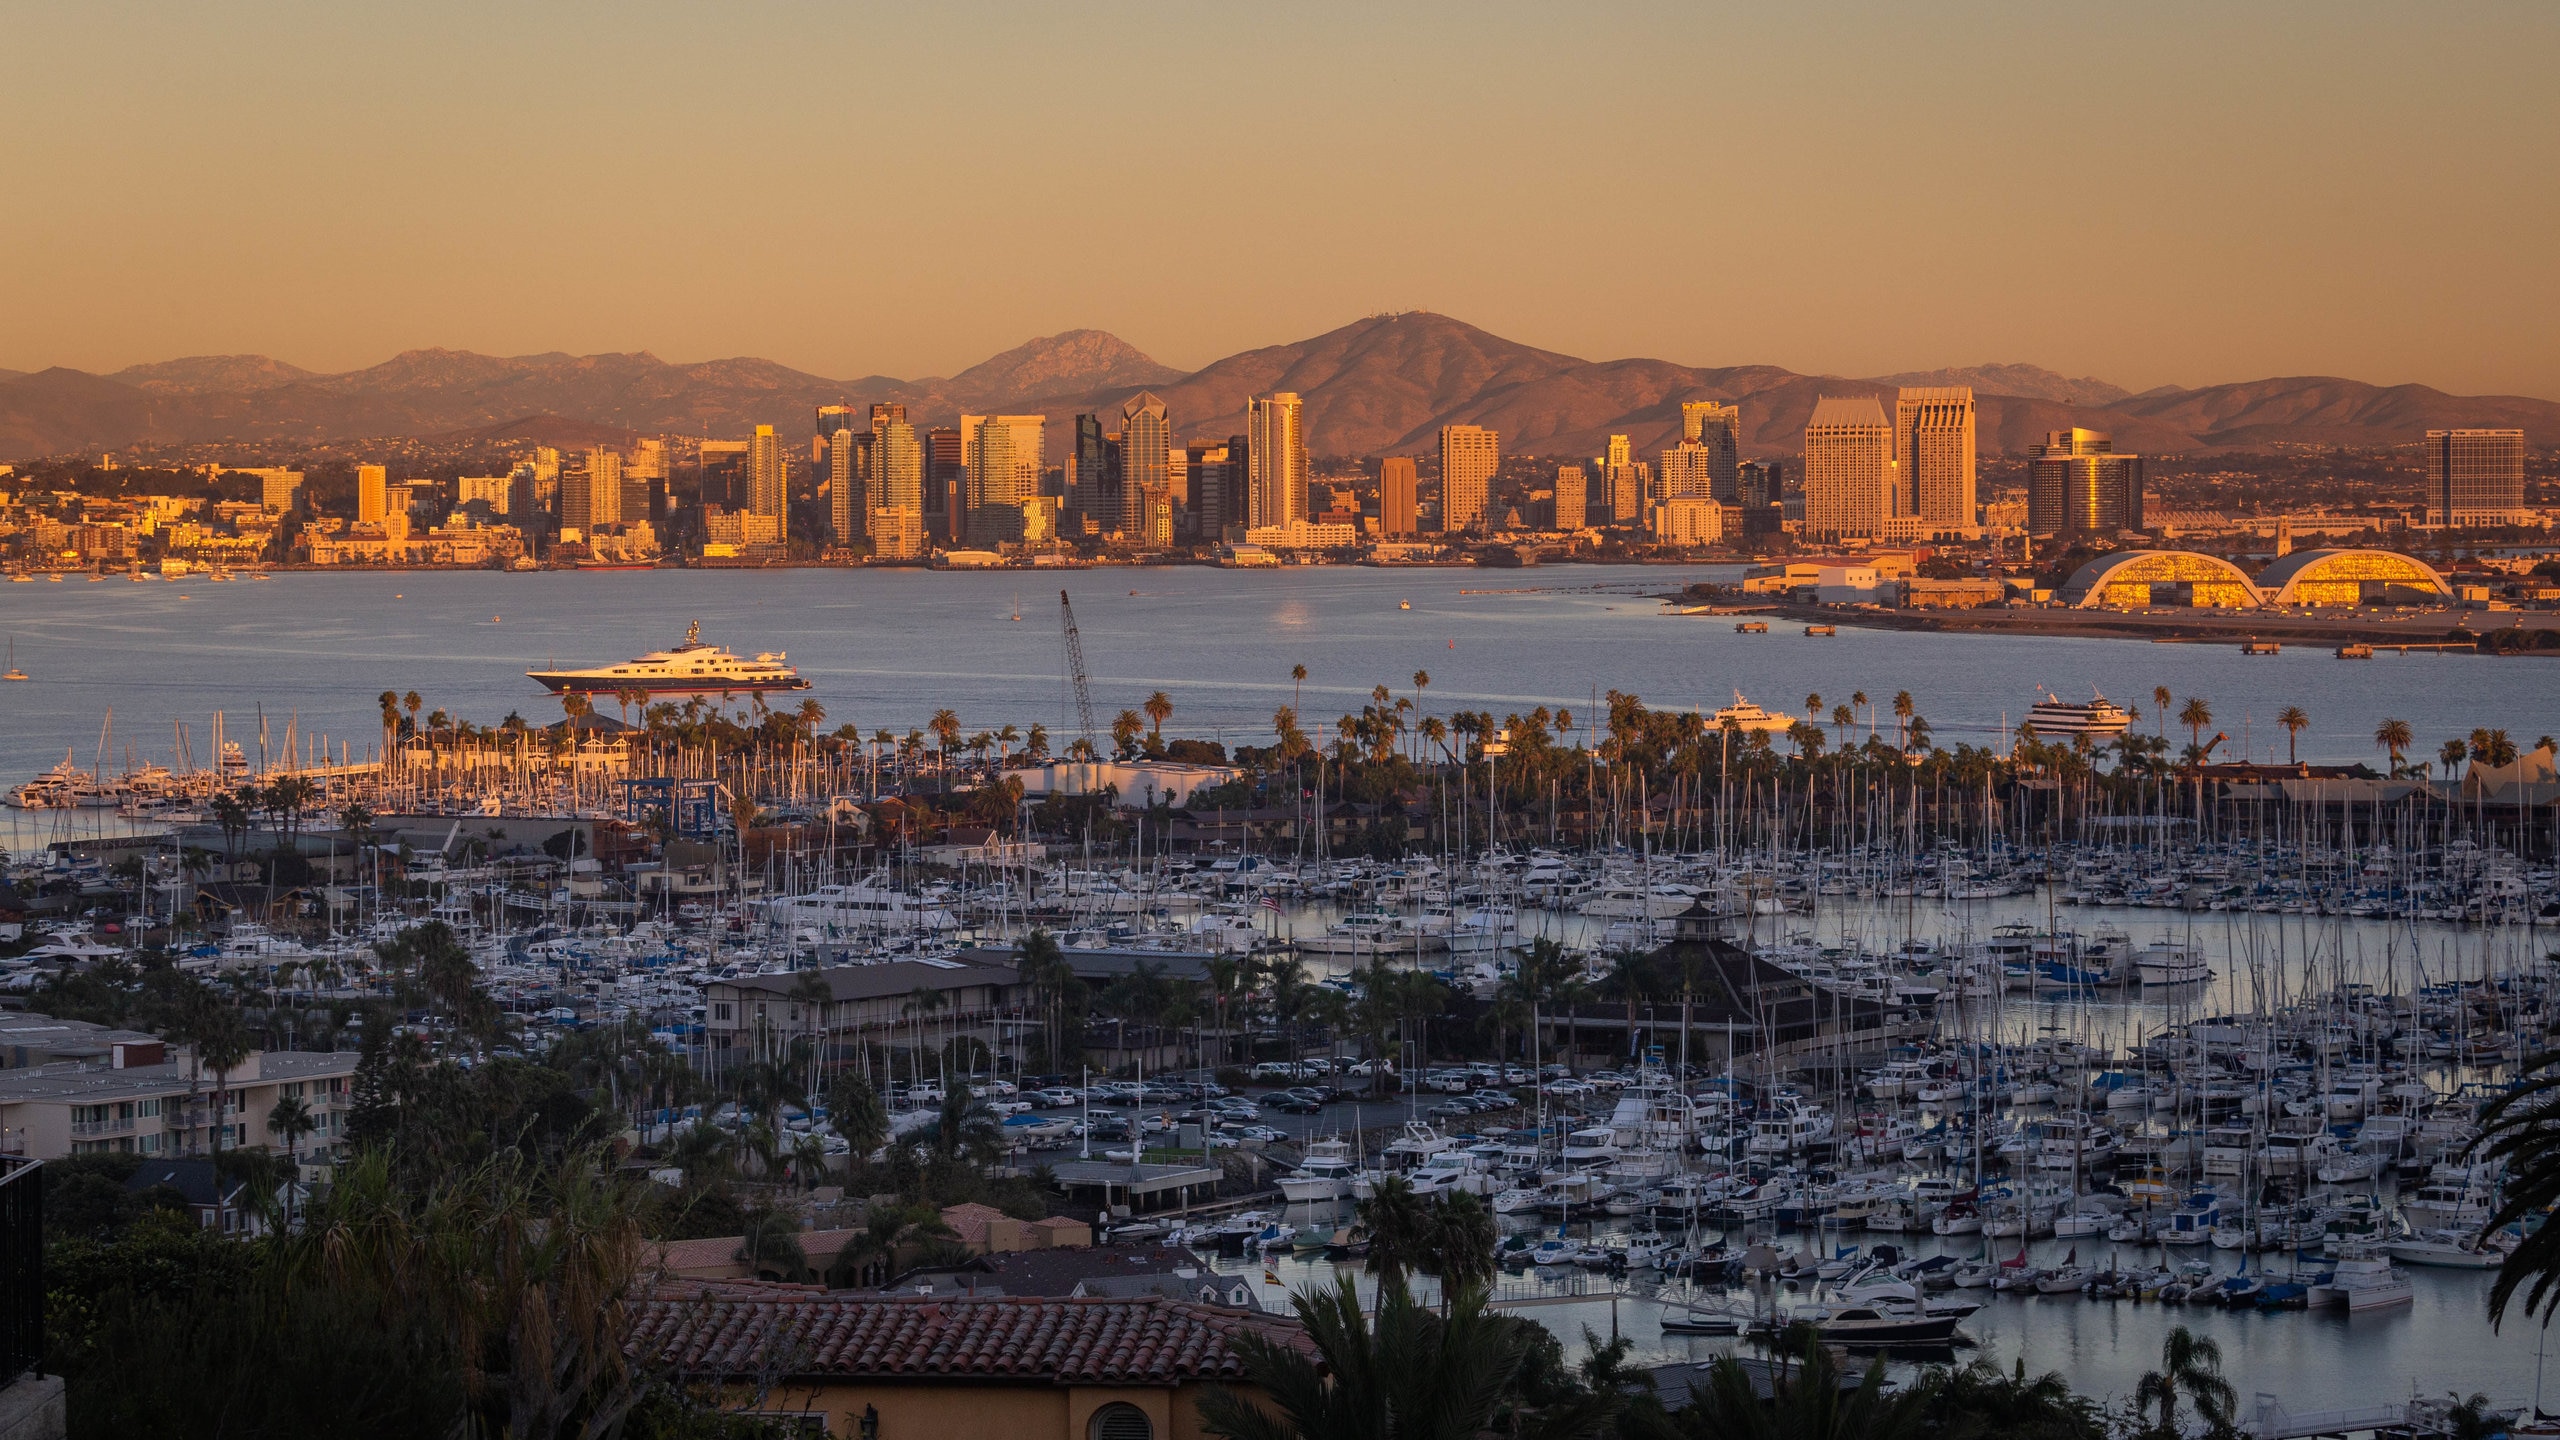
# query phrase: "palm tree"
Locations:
[[772, 1243], [290, 1120], [1297, 684], [2195, 715], [1124, 732], [2451, 754], [1399, 1226], [945, 726], [222, 1043], [1159, 708], [2393, 736], [2190, 1370], [1413, 1375], [1806, 1402], [2161, 699], [854, 1111], [966, 1126], [2294, 723], [1903, 709], [2521, 1128]]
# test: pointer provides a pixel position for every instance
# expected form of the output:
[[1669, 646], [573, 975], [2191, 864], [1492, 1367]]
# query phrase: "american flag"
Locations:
[[1270, 1276], [1271, 902]]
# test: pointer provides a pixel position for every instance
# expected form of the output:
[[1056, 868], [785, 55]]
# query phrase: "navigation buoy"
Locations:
[[493, 619], [1453, 644]]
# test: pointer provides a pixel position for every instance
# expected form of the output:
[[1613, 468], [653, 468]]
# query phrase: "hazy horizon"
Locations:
[[2187, 194]]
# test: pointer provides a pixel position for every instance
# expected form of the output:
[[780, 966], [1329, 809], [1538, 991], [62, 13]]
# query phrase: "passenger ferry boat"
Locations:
[[1744, 715], [2095, 716], [692, 668]]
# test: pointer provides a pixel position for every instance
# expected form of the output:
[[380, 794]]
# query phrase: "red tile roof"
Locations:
[[733, 1329]]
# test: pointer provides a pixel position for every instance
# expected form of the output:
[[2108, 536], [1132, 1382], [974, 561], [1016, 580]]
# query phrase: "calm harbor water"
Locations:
[[2309, 1360], [886, 648]]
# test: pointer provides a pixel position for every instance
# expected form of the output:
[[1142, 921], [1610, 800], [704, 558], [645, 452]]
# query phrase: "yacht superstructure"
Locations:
[[692, 668]]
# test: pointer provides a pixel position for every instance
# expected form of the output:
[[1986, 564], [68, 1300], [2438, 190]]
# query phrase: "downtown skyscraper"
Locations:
[[1276, 458], [1716, 427], [1933, 448], [1848, 468], [1469, 457]]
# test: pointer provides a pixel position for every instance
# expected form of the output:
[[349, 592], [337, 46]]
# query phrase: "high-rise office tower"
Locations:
[[946, 478], [1933, 448], [1089, 490], [1570, 498], [832, 418], [1469, 457], [894, 486], [373, 492], [1213, 488], [1177, 484], [1761, 482], [845, 460], [1004, 470], [1145, 437], [1848, 467], [1624, 483], [769, 481], [1718, 427], [1688, 472], [2078, 485], [897, 465], [604, 488], [2474, 474], [644, 482], [1398, 483], [1276, 446]]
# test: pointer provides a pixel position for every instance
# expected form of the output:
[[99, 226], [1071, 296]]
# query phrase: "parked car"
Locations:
[[1261, 1134], [1451, 1110]]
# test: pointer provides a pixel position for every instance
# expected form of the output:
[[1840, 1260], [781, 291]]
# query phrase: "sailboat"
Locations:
[[13, 672]]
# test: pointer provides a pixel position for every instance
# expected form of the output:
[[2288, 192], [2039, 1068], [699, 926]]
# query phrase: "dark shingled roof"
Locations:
[[728, 1329]]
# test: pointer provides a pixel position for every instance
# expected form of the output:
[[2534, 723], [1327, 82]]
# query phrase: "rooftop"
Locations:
[[880, 982], [88, 1084], [733, 1329]]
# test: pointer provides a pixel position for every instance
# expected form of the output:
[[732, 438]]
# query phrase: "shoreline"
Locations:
[[2430, 631]]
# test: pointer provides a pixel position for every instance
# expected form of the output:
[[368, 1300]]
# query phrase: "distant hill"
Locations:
[[2027, 382], [550, 430], [198, 374], [1383, 384], [1069, 362]]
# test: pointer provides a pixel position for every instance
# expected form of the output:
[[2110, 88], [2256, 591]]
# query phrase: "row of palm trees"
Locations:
[[1404, 1370]]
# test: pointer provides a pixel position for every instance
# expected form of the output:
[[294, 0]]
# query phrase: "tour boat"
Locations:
[[692, 668], [2095, 716], [1743, 715]]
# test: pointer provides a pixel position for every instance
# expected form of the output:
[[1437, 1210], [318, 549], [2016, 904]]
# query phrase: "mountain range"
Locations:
[[1384, 384]]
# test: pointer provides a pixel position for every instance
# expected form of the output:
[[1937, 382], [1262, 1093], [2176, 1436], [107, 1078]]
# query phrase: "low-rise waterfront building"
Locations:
[[162, 1101]]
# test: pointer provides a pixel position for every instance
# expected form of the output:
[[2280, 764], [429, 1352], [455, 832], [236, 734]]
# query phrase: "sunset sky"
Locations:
[[2146, 193]]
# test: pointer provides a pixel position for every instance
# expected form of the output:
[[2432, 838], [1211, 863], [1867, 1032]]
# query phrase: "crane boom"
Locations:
[[1075, 668]]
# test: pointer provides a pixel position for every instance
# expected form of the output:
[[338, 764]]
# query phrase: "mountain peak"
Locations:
[[1071, 361]]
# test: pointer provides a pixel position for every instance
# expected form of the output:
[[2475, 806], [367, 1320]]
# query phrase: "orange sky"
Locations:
[[2149, 194]]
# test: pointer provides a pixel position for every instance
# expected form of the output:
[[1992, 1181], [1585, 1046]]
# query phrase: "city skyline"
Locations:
[[2233, 146]]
